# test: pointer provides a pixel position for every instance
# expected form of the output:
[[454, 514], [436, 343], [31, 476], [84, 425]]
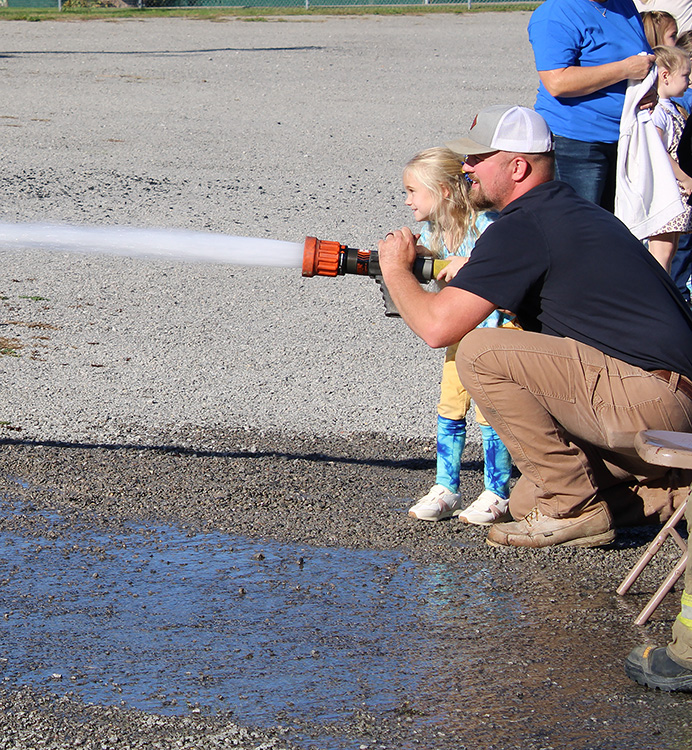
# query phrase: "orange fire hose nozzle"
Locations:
[[326, 258]]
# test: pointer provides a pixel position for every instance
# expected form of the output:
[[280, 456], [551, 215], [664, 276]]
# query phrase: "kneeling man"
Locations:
[[605, 351]]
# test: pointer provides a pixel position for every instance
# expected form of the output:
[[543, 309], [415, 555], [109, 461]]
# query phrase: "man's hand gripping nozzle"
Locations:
[[326, 258]]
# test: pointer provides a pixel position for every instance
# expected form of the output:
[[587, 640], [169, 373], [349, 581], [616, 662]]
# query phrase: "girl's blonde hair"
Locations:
[[656, 23], [684, 41], [671, 59], [440, 170]]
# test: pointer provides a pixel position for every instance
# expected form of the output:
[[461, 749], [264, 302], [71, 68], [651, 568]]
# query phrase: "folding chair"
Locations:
[[673, 449]]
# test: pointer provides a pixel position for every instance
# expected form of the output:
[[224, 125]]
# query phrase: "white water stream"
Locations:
[[176, 244]]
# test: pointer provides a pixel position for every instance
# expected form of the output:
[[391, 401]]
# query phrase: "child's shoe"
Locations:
[[439, 503], [487, 509]]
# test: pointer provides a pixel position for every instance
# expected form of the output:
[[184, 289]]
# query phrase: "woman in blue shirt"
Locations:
[[585, 51]]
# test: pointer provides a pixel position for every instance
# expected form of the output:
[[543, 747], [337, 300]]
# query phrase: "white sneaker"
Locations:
[[439, 503], [487, 509]]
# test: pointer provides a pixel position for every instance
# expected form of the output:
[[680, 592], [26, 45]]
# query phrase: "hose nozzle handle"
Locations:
[[326, 258]]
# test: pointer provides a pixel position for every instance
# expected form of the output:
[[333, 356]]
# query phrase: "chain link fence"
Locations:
[[316, 3], [310, 3], [269, 4]]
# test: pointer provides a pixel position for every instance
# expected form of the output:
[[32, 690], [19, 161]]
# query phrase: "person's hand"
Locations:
[[421, 250], [649, 100], [397, 249], [637, 67], [686, 185], [452, 268]]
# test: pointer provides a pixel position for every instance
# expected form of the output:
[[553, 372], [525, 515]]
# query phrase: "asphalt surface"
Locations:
[[281, 419]]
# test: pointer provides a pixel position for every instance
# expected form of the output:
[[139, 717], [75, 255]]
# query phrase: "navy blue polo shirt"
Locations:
[[569, 268]]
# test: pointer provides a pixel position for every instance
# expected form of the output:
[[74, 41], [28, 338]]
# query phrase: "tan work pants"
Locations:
[[568, 415]]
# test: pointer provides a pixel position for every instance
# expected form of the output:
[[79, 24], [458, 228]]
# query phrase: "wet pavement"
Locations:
[[165, 597]]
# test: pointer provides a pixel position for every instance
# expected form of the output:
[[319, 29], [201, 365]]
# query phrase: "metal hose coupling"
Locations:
[[327, 258]]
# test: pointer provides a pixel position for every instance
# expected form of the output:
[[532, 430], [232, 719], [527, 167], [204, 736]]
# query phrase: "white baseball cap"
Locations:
[[506, 127]]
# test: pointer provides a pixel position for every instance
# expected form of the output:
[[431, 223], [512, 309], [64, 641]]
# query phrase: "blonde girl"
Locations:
[[669, 118], [437, 193], [661, 28]]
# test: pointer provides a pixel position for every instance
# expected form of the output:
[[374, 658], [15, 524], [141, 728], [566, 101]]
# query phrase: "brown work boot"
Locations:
[[591, 528]]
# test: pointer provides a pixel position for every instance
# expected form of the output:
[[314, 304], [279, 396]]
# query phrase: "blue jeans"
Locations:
[[682, 265], [589, 168]]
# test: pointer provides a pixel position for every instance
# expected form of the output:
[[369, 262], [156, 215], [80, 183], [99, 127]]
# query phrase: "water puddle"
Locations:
[[173, 622], [168, 622]]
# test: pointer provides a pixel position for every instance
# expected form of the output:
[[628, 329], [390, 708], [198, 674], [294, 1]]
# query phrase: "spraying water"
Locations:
[[183, 245]]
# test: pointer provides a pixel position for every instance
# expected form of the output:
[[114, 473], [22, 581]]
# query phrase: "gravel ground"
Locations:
[[279, 130], [249, 400]]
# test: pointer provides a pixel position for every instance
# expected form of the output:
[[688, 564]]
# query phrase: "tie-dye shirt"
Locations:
[[496, 319]]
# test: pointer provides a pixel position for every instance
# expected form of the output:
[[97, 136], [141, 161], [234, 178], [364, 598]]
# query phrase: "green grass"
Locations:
[[9, 347], [9, 426], [249, 14]]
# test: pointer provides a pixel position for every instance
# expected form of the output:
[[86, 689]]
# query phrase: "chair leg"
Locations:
[[654, 547], [664, 588]]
